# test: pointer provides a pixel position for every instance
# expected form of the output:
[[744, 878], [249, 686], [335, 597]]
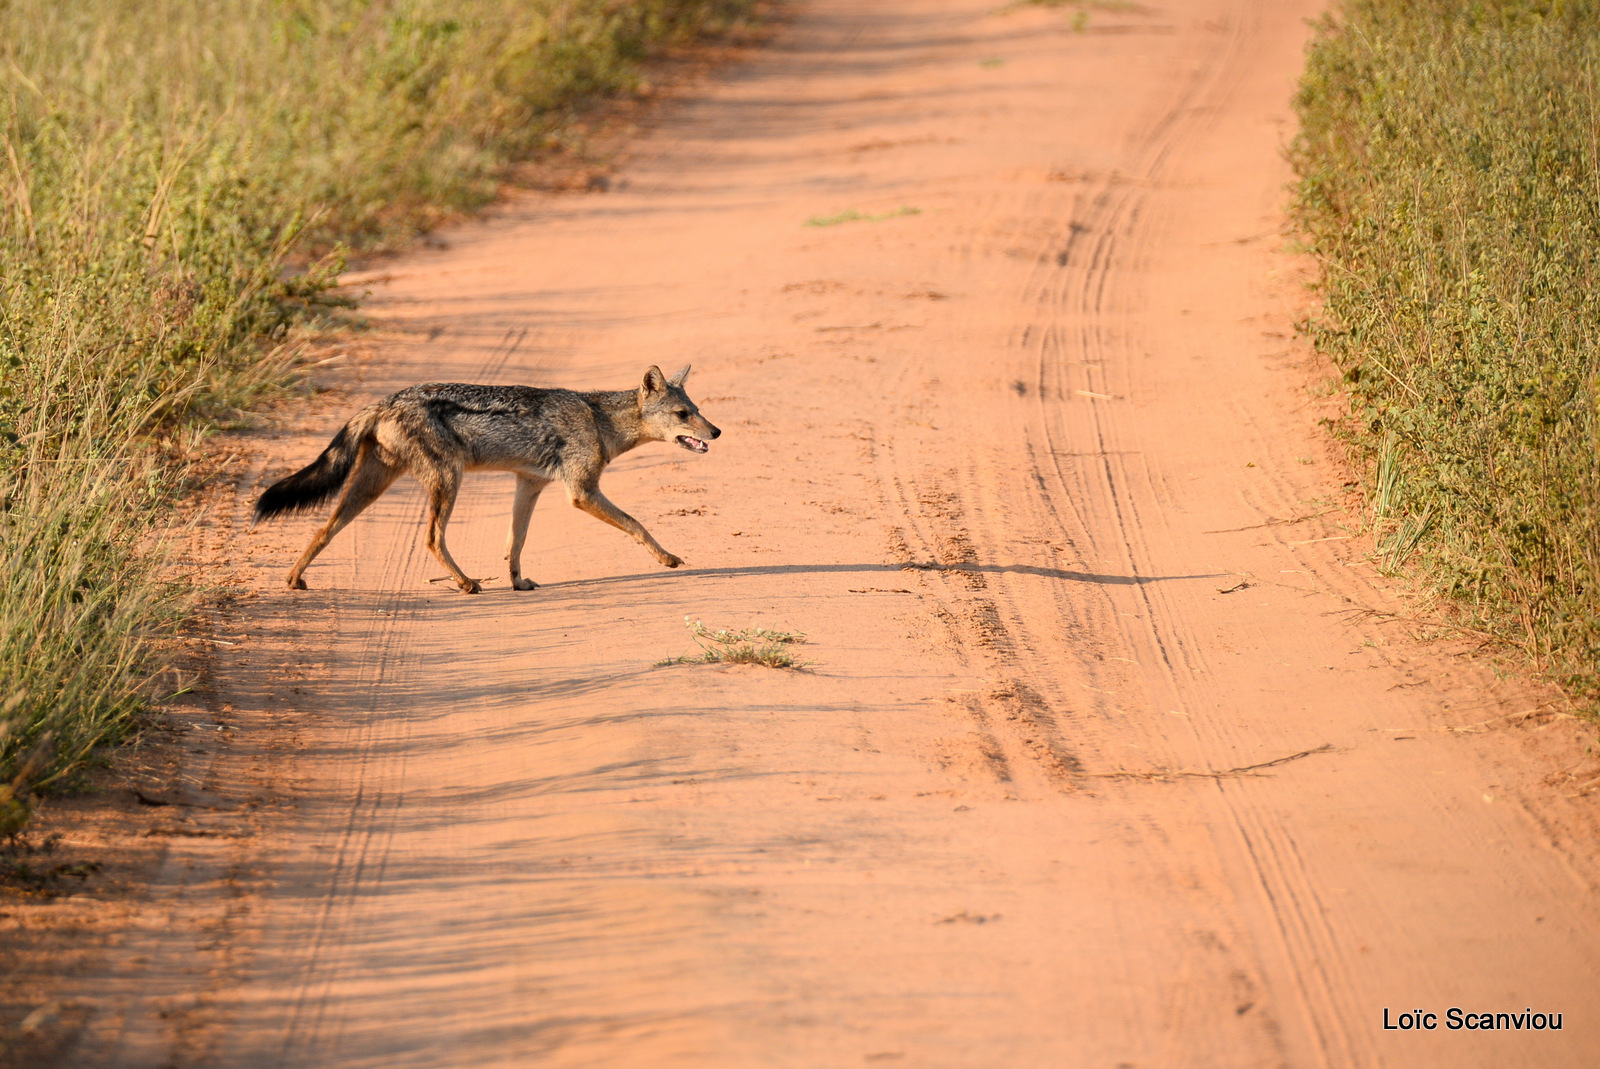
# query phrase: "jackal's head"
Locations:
[[666, 413]]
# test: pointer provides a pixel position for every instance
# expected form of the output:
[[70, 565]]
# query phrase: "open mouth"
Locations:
[[693, 445]]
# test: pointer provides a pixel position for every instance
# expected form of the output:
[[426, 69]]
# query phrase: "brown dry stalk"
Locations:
[[1226, 773]]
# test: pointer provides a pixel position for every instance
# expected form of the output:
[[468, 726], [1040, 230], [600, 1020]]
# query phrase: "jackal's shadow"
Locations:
[[1063, 574]]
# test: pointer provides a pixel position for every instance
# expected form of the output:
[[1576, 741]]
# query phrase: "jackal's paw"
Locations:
[[297, 583], [523, 584], [470, 587], [671, 561]]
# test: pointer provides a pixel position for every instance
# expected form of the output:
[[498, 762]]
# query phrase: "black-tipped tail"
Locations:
[[314, 483]]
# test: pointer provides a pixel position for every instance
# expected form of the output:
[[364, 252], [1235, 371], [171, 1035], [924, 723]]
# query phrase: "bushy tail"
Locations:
[[320, 479]]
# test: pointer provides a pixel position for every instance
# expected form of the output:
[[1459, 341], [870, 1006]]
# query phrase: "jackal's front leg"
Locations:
[[521, 509], [596, 504]]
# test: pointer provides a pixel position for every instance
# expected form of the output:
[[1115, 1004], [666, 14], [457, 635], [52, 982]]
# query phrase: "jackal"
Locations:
[[439, 430]]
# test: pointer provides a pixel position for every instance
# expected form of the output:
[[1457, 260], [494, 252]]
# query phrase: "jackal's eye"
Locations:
[[682, 413]]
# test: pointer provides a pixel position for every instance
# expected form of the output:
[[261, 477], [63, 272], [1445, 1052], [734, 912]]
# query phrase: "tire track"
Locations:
[[1088, 292], [1079, 280]]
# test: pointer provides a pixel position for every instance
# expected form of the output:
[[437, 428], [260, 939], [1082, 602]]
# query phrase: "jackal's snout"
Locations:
[[703, 429]]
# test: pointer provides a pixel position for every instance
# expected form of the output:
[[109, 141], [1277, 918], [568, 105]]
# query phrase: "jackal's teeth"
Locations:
[[693, 445]]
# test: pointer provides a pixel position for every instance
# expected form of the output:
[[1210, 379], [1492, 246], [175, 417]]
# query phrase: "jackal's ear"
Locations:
[[681, 376], [654, 382]]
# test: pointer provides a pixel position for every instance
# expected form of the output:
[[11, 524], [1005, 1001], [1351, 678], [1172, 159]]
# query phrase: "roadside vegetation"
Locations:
[[178, 184], [1449, 163]]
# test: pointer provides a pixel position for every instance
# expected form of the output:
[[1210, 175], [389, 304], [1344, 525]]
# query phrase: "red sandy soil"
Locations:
[[1113, 748]]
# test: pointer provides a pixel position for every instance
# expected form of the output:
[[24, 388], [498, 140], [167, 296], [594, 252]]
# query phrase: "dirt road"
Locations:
[[1098, 761]]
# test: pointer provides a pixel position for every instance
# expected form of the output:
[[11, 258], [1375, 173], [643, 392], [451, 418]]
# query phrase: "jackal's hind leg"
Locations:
[[442, 487], [521, 509], [366, 484]]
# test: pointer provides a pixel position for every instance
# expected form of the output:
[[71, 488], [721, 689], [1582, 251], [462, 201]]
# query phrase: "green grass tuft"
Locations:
[[853, 216], [1080, 20], [750, 645]]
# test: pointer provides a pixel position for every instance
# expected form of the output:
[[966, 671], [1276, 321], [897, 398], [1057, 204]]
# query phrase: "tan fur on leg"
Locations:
[[596, 504], [367, 483], [521, 509]]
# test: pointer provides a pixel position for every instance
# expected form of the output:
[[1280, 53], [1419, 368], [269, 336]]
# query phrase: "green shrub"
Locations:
[[1449, 168]]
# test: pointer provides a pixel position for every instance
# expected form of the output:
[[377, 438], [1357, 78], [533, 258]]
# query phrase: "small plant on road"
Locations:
[[853, 216], [750, 645]]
